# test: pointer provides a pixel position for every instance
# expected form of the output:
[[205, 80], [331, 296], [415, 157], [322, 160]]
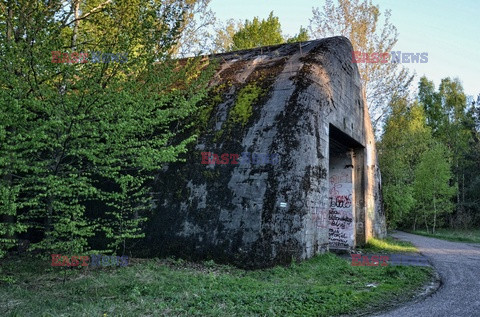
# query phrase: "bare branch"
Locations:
[[98, 8]]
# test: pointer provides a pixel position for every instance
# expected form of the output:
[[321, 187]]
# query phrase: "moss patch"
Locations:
[[242, 110], [215, 97]]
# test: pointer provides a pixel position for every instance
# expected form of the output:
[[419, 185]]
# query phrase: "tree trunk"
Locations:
[[76, 8], [463, 194], [7, 218], [426, 222], [459, 220], [10, 21]]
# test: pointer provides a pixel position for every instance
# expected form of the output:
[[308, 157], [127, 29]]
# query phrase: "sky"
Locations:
[[448, 30]]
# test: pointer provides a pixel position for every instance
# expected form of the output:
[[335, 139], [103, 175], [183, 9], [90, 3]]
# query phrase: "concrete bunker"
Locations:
[[304, 103]]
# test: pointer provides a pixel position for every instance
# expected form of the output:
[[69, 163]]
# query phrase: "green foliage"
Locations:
[[258, 33], [81, 142], [406, 135], [453, 124], [428, 146], [302, 36], [242, 110], [236, 35], [8, 209], [399, 202], [433, 192], [323, 286], [469, 235], [431, 103]]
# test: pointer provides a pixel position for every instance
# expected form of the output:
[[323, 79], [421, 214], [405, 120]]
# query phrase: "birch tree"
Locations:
[[359, 21]]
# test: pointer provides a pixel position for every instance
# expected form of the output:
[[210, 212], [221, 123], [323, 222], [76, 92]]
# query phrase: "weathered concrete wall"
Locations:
[[260, 215], [375, 216]]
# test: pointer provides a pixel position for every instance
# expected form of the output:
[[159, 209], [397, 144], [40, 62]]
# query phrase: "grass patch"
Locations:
[[323, 286], [388, 245], [465, 235]]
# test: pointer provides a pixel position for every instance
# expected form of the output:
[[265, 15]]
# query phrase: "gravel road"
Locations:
[[458, 265]]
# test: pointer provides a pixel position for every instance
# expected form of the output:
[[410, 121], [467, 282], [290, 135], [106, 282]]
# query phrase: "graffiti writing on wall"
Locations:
[[340, 209], [341, 201]]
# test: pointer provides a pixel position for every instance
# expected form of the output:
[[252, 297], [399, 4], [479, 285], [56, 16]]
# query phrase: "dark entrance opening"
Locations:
[[345, 189]]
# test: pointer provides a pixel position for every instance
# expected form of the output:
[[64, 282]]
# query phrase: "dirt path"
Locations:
[[458, 265]]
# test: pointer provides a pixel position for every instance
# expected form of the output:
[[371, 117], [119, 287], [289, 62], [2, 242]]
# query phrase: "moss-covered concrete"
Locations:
[[278, 100]]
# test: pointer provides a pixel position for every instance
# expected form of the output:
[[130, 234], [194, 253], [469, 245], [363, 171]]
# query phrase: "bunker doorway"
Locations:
[[345, 197]]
